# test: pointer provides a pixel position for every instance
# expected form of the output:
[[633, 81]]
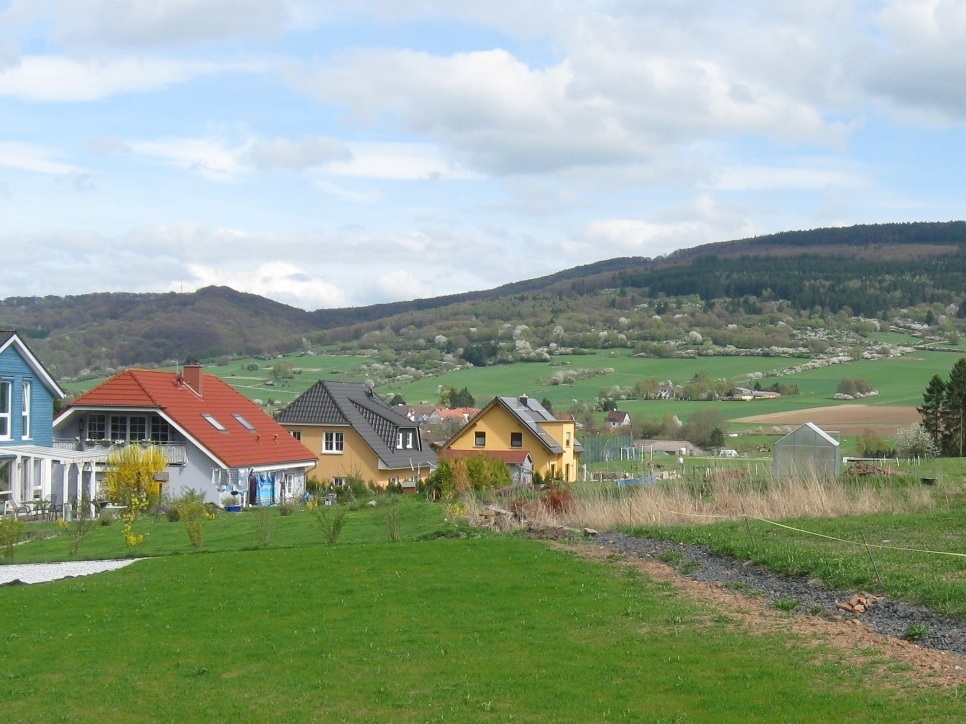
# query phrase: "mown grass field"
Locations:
[[425, 629]]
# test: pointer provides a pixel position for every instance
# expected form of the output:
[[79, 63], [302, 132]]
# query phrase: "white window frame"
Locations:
[[406, 439], [333, 443], [25, 431], [102, 423], [6, 406]]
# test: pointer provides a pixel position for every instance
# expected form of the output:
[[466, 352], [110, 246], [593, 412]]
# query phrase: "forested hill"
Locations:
[[869, 271]]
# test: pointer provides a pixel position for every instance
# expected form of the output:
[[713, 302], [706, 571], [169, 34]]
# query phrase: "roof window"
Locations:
[[214, 423], [244, 423]]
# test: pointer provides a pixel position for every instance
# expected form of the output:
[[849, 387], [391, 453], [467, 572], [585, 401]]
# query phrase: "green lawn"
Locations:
[[473, 629]]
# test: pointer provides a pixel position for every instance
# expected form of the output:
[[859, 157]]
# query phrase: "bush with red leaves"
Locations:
[[557, 499]]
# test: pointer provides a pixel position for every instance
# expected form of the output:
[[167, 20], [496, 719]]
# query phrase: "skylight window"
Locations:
[[244, 423], [214, 423]]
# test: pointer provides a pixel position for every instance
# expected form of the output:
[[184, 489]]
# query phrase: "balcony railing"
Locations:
[[175, 452]]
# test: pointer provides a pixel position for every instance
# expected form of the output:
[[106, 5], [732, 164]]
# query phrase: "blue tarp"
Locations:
[[646, 480]]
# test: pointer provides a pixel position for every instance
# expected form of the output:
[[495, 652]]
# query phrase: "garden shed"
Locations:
[[809, 451]]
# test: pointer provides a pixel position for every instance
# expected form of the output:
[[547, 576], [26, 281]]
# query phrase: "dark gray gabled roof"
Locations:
[[355, 405], [530, 412]]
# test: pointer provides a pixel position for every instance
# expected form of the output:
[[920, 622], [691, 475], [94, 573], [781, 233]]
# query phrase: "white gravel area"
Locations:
[[43, 572]]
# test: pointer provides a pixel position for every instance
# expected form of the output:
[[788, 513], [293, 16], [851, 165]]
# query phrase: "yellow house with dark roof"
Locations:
[[354, 432], [523, 424]]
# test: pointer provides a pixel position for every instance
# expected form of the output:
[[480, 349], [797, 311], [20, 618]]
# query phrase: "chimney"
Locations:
[[191, 374], [524, 400]]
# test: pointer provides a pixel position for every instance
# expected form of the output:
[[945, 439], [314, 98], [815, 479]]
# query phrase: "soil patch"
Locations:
[[846, 419]]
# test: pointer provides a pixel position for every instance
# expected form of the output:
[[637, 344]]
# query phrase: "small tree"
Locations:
[[871, 445]]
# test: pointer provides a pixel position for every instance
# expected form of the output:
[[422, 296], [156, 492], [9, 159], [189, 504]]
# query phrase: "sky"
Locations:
[[334, 153]]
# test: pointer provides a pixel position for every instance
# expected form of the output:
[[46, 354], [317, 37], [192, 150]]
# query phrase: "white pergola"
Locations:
[[55, 474]]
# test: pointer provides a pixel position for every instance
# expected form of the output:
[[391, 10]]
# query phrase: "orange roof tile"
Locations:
[[167, 393]]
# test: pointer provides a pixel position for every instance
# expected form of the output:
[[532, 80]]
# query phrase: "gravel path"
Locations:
[[43, 572], [887, 617]]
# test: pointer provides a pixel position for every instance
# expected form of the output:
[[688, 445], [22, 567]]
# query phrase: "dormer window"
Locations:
[[214, 423], [406, 439]]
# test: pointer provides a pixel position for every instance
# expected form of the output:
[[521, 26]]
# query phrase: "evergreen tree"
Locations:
[[933, 411], [956, 408]]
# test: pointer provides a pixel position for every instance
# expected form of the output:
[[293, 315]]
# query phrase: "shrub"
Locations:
[[393, 524], [192, 512], [80, 524], [854, 386], [331, 518], [286, 509], [557, 498], [130, 474], [12, 531], [262, 525]]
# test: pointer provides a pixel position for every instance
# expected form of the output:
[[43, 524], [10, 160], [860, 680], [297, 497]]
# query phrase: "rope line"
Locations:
[[821, 535]]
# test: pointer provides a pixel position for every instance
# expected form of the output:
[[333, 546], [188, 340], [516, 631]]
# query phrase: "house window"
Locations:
[[566, 439], [137, 428], [5, 403], [516, 439], [479, 439], [338, 482], [160, 430], [5, 491], [297, 434], [128, 428], [333, 443], [96, 427], [25, 411]]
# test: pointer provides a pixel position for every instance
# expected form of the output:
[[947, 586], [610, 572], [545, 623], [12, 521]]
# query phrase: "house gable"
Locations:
[[27, 394], [511, 423]]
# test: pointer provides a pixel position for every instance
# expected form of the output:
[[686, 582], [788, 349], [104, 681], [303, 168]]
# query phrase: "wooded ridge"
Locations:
[[735, 295]]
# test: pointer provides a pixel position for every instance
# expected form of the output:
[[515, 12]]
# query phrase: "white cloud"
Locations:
[[307, 152], [283, 281], [211, 158], [59, 79], [401, 284], [151, 23], [36, 158], [921, 60], [808, 176]]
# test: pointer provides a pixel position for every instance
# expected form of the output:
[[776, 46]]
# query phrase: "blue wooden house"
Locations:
[[31, 468]]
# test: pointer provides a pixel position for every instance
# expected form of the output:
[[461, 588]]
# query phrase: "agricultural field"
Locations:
[[899, 382], [431, 627]]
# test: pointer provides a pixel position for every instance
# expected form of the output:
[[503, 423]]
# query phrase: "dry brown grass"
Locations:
[[695, 503]]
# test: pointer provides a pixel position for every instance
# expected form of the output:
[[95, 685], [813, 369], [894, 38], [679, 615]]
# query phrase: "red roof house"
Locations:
[[216, 439]]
